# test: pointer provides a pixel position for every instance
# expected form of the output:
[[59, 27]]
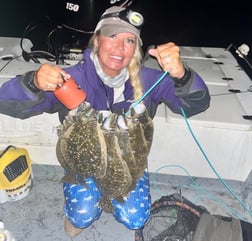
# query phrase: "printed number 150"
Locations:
[[72, 7]]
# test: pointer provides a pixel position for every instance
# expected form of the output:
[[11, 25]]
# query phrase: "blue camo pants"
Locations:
[[81, 204]]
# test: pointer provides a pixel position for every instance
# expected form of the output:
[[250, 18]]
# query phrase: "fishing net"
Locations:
[[173, 218]]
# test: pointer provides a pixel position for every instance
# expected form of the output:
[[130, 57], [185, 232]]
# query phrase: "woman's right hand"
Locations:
[[48, 77]]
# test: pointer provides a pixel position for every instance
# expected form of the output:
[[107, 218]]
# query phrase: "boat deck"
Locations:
[[39, 216]]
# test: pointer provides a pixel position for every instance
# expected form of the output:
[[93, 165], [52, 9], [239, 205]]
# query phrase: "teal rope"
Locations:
[[148, 91], [210, 164]]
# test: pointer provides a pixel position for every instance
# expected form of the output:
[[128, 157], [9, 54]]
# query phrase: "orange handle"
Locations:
[[70, 94]]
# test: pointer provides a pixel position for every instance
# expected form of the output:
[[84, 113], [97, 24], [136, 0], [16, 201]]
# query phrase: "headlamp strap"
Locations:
[[110, 15]]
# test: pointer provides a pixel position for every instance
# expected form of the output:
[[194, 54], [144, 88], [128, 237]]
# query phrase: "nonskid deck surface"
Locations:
[[39, 216]]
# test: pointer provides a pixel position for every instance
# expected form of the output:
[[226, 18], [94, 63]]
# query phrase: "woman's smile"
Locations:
[[115, 52]]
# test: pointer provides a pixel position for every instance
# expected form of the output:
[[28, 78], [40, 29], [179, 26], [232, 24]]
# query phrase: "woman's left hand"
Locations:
[[168, 57]]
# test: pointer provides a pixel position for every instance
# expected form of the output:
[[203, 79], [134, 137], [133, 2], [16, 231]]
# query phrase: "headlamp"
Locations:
[[15, 174], [134, 18]]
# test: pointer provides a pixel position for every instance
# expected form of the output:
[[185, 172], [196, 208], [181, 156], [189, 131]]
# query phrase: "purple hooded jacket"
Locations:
[[19, 100]]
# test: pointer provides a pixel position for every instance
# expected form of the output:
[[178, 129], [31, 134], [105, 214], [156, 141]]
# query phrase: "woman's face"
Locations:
[[115, 52]]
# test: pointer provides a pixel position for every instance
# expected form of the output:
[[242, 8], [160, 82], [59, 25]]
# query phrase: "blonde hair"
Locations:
[[133, 67]]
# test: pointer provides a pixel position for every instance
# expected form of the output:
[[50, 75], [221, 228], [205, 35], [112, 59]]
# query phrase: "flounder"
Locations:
[[137, 136], [118, 177], [123, 136], [142, 115], [81, 148]]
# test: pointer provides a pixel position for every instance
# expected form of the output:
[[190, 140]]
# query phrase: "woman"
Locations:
[[112, 76]]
